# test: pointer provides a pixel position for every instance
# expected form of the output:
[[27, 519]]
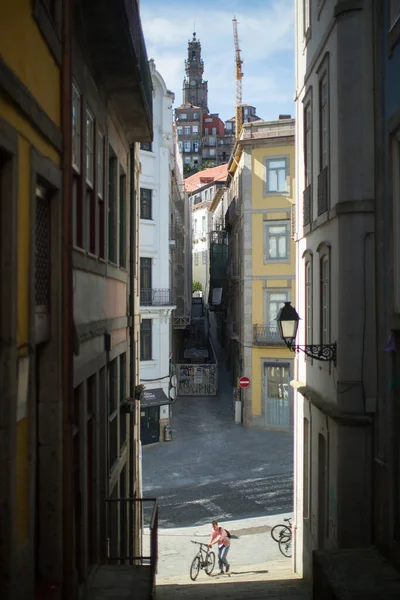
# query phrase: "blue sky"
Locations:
[[266, 36]]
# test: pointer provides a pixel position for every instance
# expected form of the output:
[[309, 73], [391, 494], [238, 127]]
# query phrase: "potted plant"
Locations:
[[139, 389]]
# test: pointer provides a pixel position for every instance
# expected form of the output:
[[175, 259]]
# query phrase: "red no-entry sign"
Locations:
[[244, 382]]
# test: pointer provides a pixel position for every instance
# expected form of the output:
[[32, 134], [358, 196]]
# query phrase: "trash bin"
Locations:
[[167, 433]]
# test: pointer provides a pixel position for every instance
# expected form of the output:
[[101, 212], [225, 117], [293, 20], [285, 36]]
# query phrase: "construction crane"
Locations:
[[239, 76]]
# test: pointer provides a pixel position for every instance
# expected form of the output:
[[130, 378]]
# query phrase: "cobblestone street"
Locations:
[[216, 469]]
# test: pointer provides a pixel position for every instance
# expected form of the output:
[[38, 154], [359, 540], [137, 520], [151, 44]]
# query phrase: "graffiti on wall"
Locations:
[[197, 380]]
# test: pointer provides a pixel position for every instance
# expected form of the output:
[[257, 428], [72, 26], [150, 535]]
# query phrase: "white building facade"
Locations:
[[156, 294], [334, 400]]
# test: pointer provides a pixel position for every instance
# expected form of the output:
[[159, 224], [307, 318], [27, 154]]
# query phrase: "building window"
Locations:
[[324, 121], [195, 129], [145, 203], [188, 160], [76, 128], [146, 281], [187, 146], [195, 115], [42, 250], [204, 257], [196, 259], [276, 241], [89, 147], [112, 413], [180, 130], [122, 396], [394, 12], [277, 172], [195, 146], [308, 142], [325, 300], [306, 470], [206, 131], [308, 300], [211, 141], [147, 146], [396, 218], [112, 207], [187, 129], [273, 302], [100, 193], [146, 339], [122, 219], [183, 116], [180, 146], [212, 152], [203, 224], [306, 18], [214, 131]]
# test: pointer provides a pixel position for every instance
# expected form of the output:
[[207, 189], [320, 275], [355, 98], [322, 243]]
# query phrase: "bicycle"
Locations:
[[282, 534], [204, 559]]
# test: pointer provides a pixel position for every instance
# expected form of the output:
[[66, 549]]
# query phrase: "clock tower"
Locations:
[[195, 90]]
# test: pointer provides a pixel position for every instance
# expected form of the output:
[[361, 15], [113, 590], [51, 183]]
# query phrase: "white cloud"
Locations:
[[266, 39]]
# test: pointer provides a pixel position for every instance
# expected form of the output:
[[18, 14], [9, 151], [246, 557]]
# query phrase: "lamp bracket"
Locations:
[[322, 352]]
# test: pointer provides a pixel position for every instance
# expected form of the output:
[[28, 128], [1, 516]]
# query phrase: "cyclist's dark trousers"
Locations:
[[222, 554]]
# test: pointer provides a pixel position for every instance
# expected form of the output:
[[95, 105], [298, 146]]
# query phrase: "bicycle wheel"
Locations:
[[285, 546], [210, 563], [281, 532], [194, 568]]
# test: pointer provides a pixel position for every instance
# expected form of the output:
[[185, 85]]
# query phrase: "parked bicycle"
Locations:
[[204, 559], [282, 534]]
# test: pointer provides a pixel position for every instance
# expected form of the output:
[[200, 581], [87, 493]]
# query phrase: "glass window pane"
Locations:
[[282, 247], [273, 249]]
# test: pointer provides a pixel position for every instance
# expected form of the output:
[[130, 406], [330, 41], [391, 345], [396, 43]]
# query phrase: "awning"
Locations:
[[155, 397]]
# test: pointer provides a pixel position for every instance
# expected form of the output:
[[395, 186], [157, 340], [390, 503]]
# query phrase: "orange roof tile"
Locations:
[[201, 178]]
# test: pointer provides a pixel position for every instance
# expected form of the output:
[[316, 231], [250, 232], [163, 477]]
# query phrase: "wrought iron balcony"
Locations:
[[307, 205], [114, 38], [156, 297], [323, 196], [267, 335]]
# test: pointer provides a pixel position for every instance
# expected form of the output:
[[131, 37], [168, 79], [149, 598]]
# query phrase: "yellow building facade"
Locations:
[[30, 284], [262, 269]]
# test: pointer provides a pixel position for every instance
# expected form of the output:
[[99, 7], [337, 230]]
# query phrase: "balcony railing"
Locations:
[[307, 205], [323, 200], [267, 335], [156, 297]]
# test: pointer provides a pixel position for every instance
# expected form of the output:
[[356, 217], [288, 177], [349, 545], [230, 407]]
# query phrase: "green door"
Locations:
[[150, 425]]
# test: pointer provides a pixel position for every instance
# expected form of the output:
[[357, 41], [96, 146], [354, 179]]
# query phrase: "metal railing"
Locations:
[[267, 335], [124, 517], [156, 297]]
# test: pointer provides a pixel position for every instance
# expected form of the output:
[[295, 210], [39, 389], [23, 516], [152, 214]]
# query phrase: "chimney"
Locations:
[[282, 117]]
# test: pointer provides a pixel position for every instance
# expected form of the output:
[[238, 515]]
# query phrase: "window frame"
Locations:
[[204, 257], [149, 331], [308, 133], [323, 75], [76, 139], [267, 293], [196, 259], [273, 158], [325, 307], [149, 146], [90, 151], [143, 204], [187, 130], [308, 296], [267, 226]]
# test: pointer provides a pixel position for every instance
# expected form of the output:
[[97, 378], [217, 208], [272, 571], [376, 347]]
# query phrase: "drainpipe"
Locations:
[[132, 349], [67, 303]]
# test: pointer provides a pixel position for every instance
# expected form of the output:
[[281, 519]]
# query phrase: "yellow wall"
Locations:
[[27, 55], [281, 272], [24, 50]]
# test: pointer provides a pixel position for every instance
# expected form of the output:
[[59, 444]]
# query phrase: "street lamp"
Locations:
[[288, 323]]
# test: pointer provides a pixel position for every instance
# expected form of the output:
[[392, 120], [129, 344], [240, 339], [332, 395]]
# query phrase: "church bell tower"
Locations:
[[195, 90]]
